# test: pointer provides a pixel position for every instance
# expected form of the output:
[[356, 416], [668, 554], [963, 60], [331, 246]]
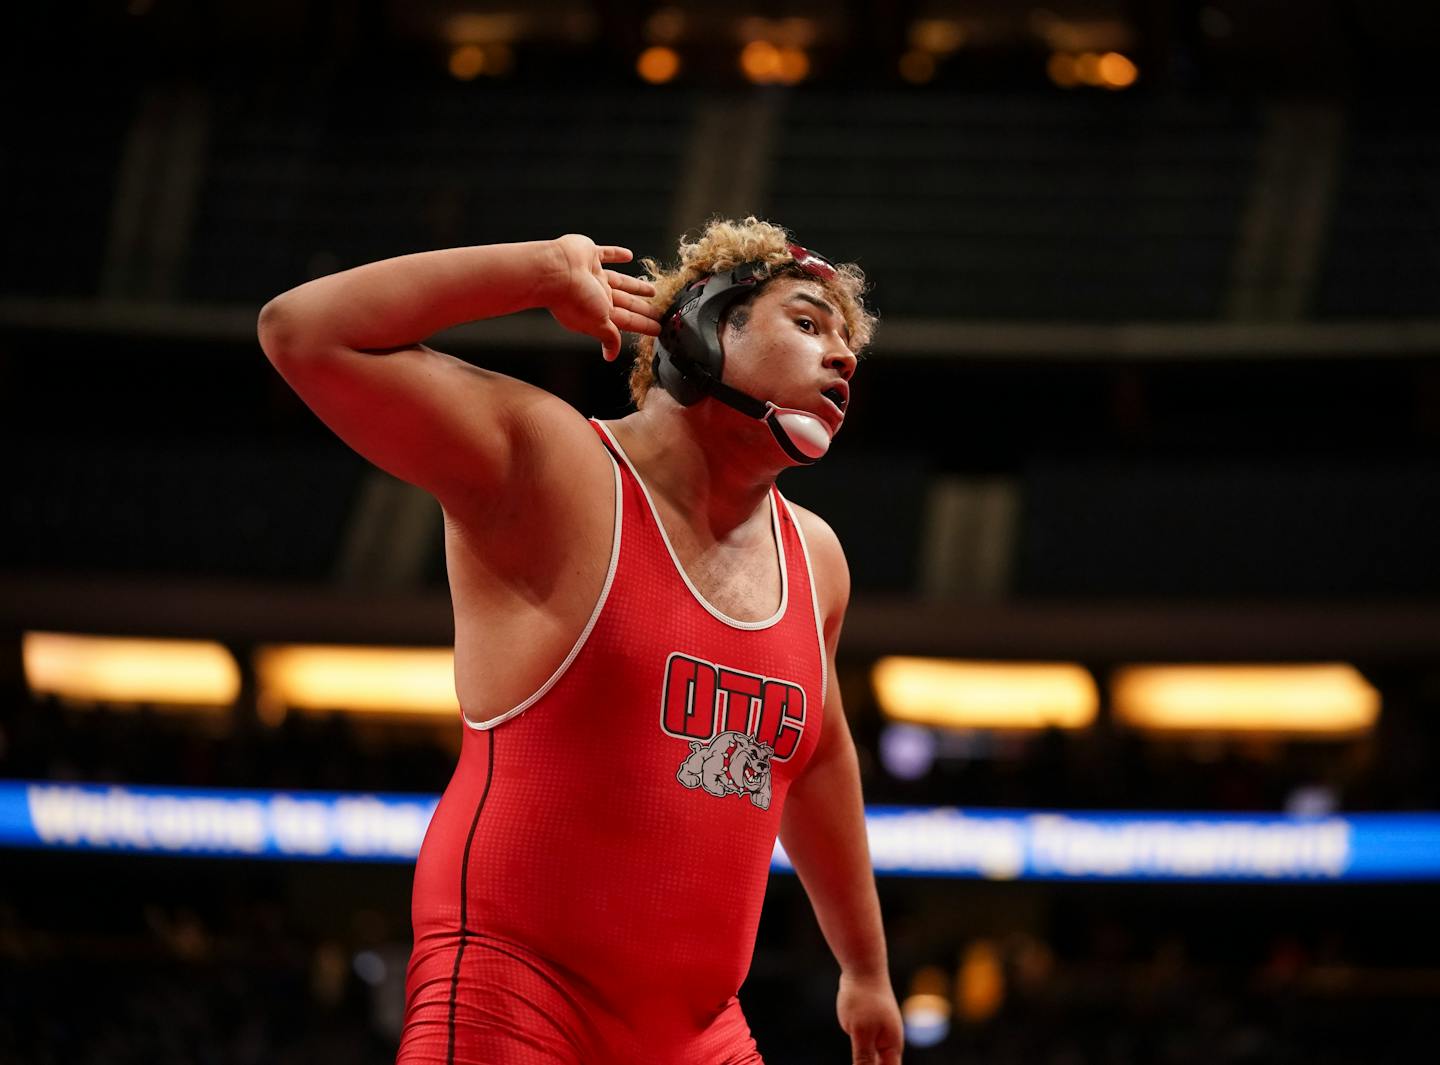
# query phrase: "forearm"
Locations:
[[823, 832], [400, 301]]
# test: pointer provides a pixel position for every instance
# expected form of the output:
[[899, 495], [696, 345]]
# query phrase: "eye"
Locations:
[[807, 322]]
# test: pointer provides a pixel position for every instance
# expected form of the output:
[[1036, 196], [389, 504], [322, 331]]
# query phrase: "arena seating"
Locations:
[[307, 180], [1028, 207]]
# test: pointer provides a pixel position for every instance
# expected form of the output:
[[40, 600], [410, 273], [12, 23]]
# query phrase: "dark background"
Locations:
[[1157, 379]]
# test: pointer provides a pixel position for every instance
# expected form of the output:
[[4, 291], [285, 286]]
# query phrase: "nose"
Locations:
[[841, 358]]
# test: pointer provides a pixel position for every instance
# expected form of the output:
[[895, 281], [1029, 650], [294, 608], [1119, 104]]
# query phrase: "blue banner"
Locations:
[[904, 840]]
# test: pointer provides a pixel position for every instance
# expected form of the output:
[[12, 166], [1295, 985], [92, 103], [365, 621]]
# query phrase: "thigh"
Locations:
[[491, 1004], [481, 1044]]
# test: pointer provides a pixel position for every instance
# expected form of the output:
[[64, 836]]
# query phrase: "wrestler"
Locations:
[[645, 633]]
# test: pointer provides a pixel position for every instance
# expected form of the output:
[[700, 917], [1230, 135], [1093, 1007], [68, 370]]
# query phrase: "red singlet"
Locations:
[[589, 888]]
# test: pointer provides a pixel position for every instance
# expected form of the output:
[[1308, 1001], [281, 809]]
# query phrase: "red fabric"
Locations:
[[576, 900]]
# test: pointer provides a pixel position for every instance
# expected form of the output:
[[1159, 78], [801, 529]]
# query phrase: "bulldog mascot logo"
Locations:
[[736, 724], [731, 764]]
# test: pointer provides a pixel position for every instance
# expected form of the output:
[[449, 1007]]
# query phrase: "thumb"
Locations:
[[863, 1053], [609, 337]]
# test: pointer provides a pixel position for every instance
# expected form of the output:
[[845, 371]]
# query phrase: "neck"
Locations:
[[710, 463]]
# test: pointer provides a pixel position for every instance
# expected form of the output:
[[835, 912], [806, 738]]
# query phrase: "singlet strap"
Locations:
[[604, 439]]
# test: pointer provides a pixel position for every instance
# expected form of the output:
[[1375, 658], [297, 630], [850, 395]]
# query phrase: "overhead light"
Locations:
[[381, 680], [657, 64], [968, 694], [794, 66], [1116, 71], [940, 36], [467, 62], [1061, 69], [1320, 699], [666, 25], [476, 28], [1087, 67], [760, 62], [917, 66], [766, 63], [127, 671], [795, 31]]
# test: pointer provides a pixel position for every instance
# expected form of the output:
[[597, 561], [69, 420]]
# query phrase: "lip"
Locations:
[[839, 414]]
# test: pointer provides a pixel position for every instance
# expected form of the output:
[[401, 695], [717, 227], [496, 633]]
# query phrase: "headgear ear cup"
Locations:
[[688, 355]]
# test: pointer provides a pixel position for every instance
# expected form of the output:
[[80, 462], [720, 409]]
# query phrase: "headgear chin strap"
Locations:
[[689, 361]]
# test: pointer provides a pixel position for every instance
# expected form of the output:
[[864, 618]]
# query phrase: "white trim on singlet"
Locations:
[[779, 549], [814, 601], [589, 625]]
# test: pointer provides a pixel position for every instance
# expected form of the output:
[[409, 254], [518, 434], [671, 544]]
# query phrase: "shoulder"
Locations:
[[556, 503], [828, 566]]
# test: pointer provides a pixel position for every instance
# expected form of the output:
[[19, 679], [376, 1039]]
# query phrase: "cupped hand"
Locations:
[[587, 298], [871, 1017]]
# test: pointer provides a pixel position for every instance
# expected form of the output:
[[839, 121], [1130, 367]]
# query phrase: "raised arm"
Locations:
[[350, 344]]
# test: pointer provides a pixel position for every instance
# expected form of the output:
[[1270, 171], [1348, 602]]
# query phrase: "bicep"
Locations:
[[454, 429], [834, 728]]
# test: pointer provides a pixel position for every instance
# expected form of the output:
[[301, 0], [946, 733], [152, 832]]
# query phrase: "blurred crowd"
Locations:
[[254, 982]]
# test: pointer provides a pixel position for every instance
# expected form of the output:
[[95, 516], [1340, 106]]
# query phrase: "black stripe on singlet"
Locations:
[[464, 897]]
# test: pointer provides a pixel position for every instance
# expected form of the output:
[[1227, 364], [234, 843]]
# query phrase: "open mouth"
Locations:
[[837, 397]]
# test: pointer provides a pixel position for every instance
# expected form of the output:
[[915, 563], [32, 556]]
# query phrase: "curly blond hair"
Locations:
[[724, 245]]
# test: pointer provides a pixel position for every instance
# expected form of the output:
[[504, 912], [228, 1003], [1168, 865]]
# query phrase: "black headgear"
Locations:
[[690, 362]]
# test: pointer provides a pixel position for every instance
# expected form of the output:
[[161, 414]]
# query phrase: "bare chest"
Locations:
[[743, 583]]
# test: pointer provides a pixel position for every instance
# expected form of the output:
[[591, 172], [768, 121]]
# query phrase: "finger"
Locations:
[[610, 342], [635, 323], [626, 283], [613, 253], [637, 304], [863, 1051]]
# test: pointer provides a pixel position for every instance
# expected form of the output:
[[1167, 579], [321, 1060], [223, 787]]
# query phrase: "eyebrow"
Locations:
[[816, 301]]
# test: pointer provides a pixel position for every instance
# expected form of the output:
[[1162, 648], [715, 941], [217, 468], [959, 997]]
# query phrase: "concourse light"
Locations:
[[980, 983], [952, 693], [379, 680], [129, 671], [1325, 699], [926, 1018]]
